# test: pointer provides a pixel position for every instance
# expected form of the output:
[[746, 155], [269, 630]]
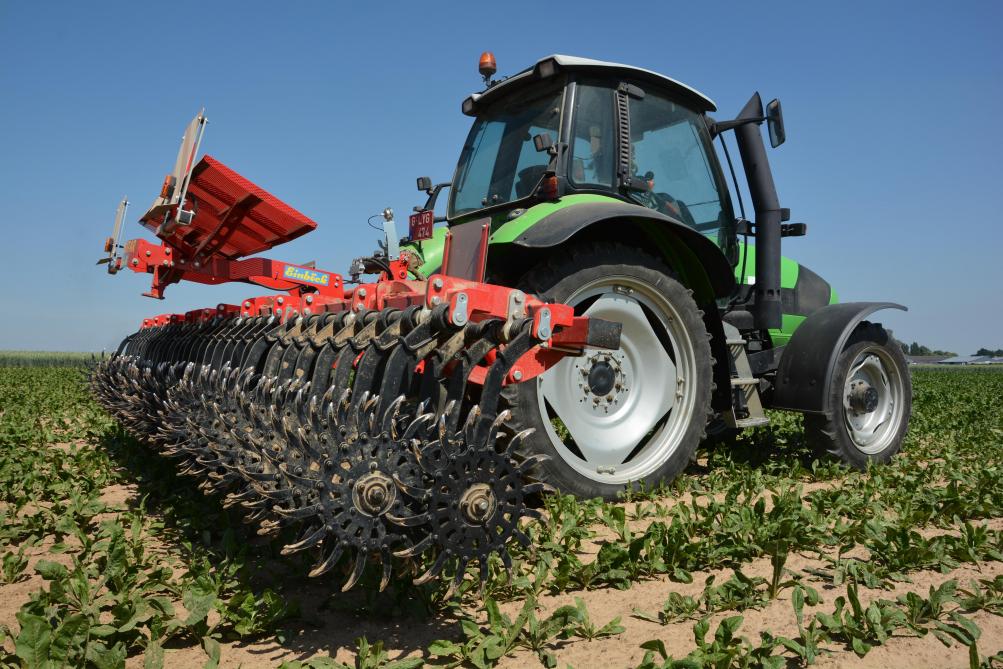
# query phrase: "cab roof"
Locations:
[[695, 98]]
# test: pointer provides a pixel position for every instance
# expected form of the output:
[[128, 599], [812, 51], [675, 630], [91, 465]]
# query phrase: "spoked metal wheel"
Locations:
[[622, 412], [611, 418], [872, 400]]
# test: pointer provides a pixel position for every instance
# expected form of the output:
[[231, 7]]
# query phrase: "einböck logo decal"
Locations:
[[307, 275]]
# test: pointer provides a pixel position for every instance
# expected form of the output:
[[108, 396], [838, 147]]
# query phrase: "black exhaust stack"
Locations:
[[766, 309]]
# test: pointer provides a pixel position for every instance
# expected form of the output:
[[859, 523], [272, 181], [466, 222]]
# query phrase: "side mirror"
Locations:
[[543, 142], [425, 183], [775, 122]]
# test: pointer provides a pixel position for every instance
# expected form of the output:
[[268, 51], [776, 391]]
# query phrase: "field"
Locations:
[[759, 556]]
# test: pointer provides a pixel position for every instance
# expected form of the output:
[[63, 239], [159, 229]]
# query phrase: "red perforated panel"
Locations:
[[263, 220]]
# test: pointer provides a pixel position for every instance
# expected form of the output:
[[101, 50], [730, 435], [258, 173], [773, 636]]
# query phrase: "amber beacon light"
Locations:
[[487, 66]]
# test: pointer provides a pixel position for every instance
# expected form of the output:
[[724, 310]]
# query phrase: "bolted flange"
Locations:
[[374, 493], [478, 503]]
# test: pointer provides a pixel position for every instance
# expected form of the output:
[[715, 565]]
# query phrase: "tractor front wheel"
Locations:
[[871, 399], [610, 419]]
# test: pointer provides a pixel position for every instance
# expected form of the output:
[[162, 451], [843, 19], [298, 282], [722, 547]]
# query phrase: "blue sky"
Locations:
[[892, 156]]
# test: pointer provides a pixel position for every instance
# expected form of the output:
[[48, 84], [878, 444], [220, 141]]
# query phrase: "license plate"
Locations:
[[421, 225]]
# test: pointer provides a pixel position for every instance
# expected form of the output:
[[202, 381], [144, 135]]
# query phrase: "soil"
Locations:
[[329, 624]]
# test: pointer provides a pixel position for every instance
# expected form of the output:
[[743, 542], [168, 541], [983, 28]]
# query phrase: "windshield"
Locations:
[[499, 162]]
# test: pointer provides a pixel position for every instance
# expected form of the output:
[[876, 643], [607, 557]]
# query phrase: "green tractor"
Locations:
[[601, 188]]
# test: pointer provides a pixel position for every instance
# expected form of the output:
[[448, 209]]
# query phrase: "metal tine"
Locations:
[[343, 404], [268, 528], [299, 479], [354, 413], [496, 425], [307, 444], [451, 414], [303, 393], [409, 521], [255, 516], [332, 418], [289, 430], [234, 498], [301, 415], [308, 541], [232, 379], [409, 490], [423, 462], [314, 410], [192, 470], [530, 512], [329, 393], [208, 463], [461, 569], [387, 568], [521, 537], [519, 437], [360, 566], [441, 425], [483, 572], [279, 397], [326, 563], [245, 439], [433, 571], [256, 476], [275, 495], [526, 465], [368, 405], [419, 421], [471, 423], [416, 549], [300, 513], [246, 376], [245, 396]]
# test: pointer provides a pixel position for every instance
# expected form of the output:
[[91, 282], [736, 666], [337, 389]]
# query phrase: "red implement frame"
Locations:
[[232, 218]]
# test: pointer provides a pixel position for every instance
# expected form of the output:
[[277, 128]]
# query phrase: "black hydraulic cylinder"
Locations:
[[766, 309]]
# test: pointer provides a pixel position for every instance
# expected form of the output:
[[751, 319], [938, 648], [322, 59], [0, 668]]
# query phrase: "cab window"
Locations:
[[499, 162], [594, 138], [669, 154]]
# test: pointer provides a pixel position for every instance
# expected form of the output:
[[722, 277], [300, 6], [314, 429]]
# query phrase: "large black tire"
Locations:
[[836, 435], [560, 278]]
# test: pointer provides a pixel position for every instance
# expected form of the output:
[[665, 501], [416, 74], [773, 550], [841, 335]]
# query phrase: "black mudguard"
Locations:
[[567, 222], [809, 359]]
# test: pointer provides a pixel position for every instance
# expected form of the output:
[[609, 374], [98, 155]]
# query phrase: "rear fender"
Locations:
[[809, 359], [699, 262]]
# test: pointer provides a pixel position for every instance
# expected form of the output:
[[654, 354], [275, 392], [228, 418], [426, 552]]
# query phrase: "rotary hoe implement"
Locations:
[[592, 308]]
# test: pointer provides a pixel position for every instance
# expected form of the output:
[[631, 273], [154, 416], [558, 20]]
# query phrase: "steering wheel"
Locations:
[[674, 208]]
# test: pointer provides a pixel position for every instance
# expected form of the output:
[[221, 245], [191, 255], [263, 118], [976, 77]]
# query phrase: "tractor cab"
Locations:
[[580, 126]]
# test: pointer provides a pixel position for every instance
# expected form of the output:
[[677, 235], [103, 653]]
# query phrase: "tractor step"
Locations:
[[746, 408], [743, 423]]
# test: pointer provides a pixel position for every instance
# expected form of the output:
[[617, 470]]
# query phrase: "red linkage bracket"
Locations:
[[167, 267]]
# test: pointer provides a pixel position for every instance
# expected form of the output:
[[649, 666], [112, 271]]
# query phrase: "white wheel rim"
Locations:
[[873, 431], [652, 401]]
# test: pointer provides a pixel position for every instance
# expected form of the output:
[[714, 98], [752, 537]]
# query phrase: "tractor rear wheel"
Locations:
[[611, 419], [871, 393]]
